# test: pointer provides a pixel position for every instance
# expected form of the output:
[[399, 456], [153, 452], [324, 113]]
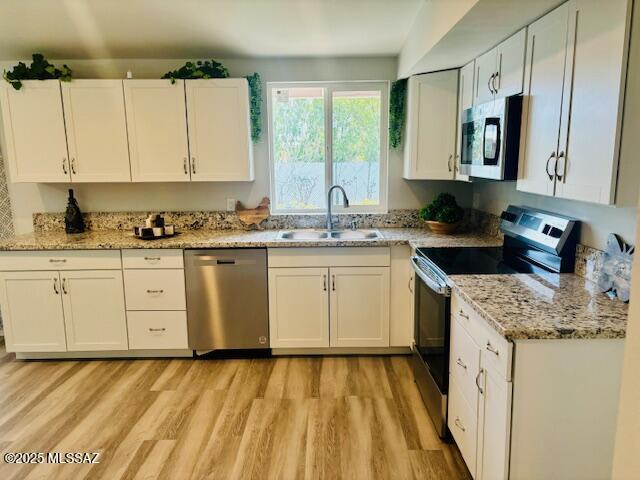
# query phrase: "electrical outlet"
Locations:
[[476, 200], [231, 204]]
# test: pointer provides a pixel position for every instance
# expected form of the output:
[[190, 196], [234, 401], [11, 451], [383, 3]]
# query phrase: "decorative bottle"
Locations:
[[73, 221]]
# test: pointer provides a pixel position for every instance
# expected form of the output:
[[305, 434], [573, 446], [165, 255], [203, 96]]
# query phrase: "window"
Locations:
[[328, 133]]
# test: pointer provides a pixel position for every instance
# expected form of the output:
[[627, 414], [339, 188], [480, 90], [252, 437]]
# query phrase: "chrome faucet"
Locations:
[[329, 198]]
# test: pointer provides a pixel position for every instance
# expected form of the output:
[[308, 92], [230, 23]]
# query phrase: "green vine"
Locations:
[[199, 69], [397, 103], [255, 105], [40, 69]]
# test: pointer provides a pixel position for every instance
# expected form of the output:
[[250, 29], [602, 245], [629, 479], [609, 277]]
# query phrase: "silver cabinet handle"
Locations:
[[490, 82], [324, 283], [151, 292], [333, 283], [193, 165], [158, 329], [152, 259], [459, 424], [64, 165], [555, 167], [73, 165], [463, 315], [478, 381], [57, 260], [553, 155], [64, 286], [493, 82], [409, 284], [449, 162], [184, 165], [461, 363], [492, 349], [55, 286]]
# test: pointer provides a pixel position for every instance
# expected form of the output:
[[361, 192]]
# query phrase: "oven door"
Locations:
[[431, 346]]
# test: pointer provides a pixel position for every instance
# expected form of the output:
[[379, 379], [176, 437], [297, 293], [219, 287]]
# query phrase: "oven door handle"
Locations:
[[429, 282]]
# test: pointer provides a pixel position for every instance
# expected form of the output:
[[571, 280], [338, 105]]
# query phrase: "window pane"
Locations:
[[298, 148], [356, 145]]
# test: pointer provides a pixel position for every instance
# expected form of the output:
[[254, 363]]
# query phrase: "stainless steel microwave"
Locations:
[[491, 139]]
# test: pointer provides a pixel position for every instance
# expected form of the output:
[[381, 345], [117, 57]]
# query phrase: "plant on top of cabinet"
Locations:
[[397, 103], [255, 105], [443, 214], [199, 69], [40, 69]]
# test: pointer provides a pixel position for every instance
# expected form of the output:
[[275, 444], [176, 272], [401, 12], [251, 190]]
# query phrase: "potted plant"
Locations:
[[443, 215]]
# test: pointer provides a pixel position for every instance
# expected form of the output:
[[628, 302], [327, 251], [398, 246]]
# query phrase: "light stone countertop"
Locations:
[[117, 239], [527, 306]]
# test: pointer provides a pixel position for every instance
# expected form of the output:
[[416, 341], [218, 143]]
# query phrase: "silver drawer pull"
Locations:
[[158, 329], [463, 315], [461, 363], [478, 381], [154, 291], [492, 349], [57, 260], [152, 259], [459, 424]]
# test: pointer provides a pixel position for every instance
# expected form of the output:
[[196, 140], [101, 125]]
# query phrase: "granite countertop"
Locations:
[[116, 239], [528, 306]]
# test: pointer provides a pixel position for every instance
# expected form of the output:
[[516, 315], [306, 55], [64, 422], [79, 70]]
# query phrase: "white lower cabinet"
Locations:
[[94, 314], [32, 311], [298, 307]]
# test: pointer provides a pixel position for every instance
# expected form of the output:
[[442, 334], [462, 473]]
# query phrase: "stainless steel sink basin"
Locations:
[[303, 235], [356, 234], [324, 235]]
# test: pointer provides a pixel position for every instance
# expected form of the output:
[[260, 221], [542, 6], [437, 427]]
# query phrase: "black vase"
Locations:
[[73, 221]]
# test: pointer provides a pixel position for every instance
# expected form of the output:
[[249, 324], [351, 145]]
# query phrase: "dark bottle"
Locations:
[[73, 221]]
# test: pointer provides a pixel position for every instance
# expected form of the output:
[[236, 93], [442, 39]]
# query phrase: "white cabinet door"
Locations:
[[494, 428], [32, 312], [219, 130], [595, 76], [359, 306], [298, 307], [96, 131], [432, 109], [94, 313], [157, 128], [34, 131], [486, 69], [510, 68], [542, 105], [465, 101]]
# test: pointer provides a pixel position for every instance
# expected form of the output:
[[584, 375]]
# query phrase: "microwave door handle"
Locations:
[[440, 289]]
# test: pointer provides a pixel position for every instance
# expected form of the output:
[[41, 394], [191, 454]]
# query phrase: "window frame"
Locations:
[[329, 87]]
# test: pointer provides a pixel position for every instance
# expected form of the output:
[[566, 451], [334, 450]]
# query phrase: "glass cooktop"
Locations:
[[473, 260]]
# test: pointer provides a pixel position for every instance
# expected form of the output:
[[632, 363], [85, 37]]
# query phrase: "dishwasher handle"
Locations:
[[211, 260]]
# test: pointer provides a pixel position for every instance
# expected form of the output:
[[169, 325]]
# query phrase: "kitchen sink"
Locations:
[[324, 235]]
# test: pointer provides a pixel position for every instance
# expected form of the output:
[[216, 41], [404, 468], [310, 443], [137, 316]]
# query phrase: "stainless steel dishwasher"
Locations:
[[227, 302]]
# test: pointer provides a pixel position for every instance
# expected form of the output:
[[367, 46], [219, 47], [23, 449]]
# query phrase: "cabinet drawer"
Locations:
[[152, 258], [464, 363], [463, 423], [154, 289], [157, 330], [329, 257], [496, 349], [61, 260]]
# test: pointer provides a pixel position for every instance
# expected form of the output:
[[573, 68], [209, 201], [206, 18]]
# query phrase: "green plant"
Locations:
[[255, 105], [40, 69], [397, 102], [199, 69], [444, 208]]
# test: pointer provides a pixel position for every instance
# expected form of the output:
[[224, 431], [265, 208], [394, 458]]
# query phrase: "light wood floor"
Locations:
[[331, 417]]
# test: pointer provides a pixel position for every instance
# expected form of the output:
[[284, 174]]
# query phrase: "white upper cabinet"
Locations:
[[590, 136], [219, 130], [465, 101], [157, 127], [96, 130], [574, 94], [432, 112], [499, 72], [34, 132]]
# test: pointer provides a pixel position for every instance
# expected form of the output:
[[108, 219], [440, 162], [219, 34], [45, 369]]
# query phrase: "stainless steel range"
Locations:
[[535, 241]]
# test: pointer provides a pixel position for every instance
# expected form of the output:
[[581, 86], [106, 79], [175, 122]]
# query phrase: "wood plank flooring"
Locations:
[[286, 418]]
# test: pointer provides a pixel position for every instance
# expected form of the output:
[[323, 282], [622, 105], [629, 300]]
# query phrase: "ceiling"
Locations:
[[86, 29]]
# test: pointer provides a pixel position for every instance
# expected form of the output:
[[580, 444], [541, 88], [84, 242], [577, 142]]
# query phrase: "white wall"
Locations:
[[29, 198]]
